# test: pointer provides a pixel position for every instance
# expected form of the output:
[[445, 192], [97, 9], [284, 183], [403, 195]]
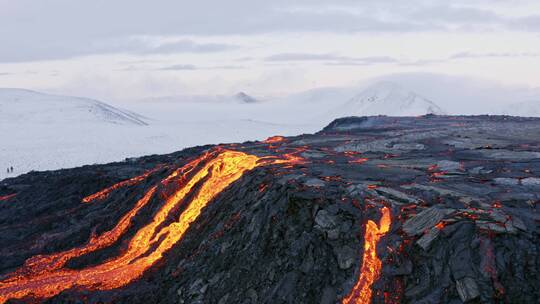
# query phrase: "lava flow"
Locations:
[[103, 194], [371, 264], [274, 139], [45, 276]]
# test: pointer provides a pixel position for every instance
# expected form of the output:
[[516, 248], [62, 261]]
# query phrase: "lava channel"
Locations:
[[371, 264], [45, 276], [103, 194]]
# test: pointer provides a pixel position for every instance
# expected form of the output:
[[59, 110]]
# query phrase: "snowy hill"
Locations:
[[44, 132], [387, 98], [25, 107], [525, 109]]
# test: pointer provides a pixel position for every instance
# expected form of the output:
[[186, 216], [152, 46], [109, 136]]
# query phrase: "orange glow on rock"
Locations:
[[371, 264], [274, 139], [360, 160], [7, 197], [103, 194], [45, 276], [290, 159]]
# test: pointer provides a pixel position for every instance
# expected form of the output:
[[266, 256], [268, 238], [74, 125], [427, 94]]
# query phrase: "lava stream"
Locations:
[[103, 194], [274, 139], [371, 264], [43, 278]]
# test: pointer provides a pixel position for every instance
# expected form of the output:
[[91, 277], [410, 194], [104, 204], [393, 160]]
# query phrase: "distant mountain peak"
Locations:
[[389, 98], [35, 107], [243, 97]]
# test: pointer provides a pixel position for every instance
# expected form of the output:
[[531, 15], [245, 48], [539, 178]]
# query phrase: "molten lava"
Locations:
[[103, 194], [371, 264], [274, 139], [46, 276]]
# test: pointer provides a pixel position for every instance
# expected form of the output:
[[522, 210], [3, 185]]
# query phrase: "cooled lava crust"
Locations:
[[430, 209]]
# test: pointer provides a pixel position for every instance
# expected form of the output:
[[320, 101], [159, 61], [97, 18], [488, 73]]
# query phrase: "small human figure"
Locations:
[[11, 169]]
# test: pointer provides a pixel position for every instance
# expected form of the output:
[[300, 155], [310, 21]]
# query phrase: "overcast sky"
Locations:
[[124, 49]]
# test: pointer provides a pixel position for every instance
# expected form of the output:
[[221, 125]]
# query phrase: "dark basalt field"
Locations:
[[431, 209]]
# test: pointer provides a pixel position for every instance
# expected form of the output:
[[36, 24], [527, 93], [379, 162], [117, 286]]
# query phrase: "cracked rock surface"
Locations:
[[463, 194]]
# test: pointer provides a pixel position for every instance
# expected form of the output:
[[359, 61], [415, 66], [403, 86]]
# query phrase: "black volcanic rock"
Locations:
[[463, 195]]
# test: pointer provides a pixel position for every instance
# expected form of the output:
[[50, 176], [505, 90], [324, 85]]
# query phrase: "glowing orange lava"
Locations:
[[440, 225], [103, 194], [274, 139], [45, 276], [290, 159], [371, 264]]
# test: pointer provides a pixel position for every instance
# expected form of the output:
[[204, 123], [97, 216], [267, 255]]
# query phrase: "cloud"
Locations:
[[190, 67], [188, 46], [302, 57], [25, 51], [227, 67], [330, 59], [179, 67], [62, 29], [465, 55]]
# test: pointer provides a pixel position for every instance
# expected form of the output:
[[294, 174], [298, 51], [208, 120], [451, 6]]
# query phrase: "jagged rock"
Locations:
[[508, 154], [426, 240], [328, 296], [325, 220], [467, 289], [448, 165], [506, 181], [531, 181], [397, 194], [252, 296], [438, 190], [314, 182], [476, 170], [494, 227], [518, 223], [424, 220], [409, 146], [345, 256], [333, 234], [313, 154], [223, 299]]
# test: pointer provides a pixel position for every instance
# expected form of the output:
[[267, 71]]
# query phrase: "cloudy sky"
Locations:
[[125, 49]]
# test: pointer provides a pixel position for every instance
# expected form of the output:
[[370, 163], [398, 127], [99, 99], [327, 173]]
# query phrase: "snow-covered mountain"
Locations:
[[525, 109], [387, 98], [43, 132], [29, 107]]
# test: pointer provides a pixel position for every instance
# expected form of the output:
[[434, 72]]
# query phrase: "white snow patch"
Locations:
[[47, 132]]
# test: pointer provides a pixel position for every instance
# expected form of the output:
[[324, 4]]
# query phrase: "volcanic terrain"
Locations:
[[428, 209]]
